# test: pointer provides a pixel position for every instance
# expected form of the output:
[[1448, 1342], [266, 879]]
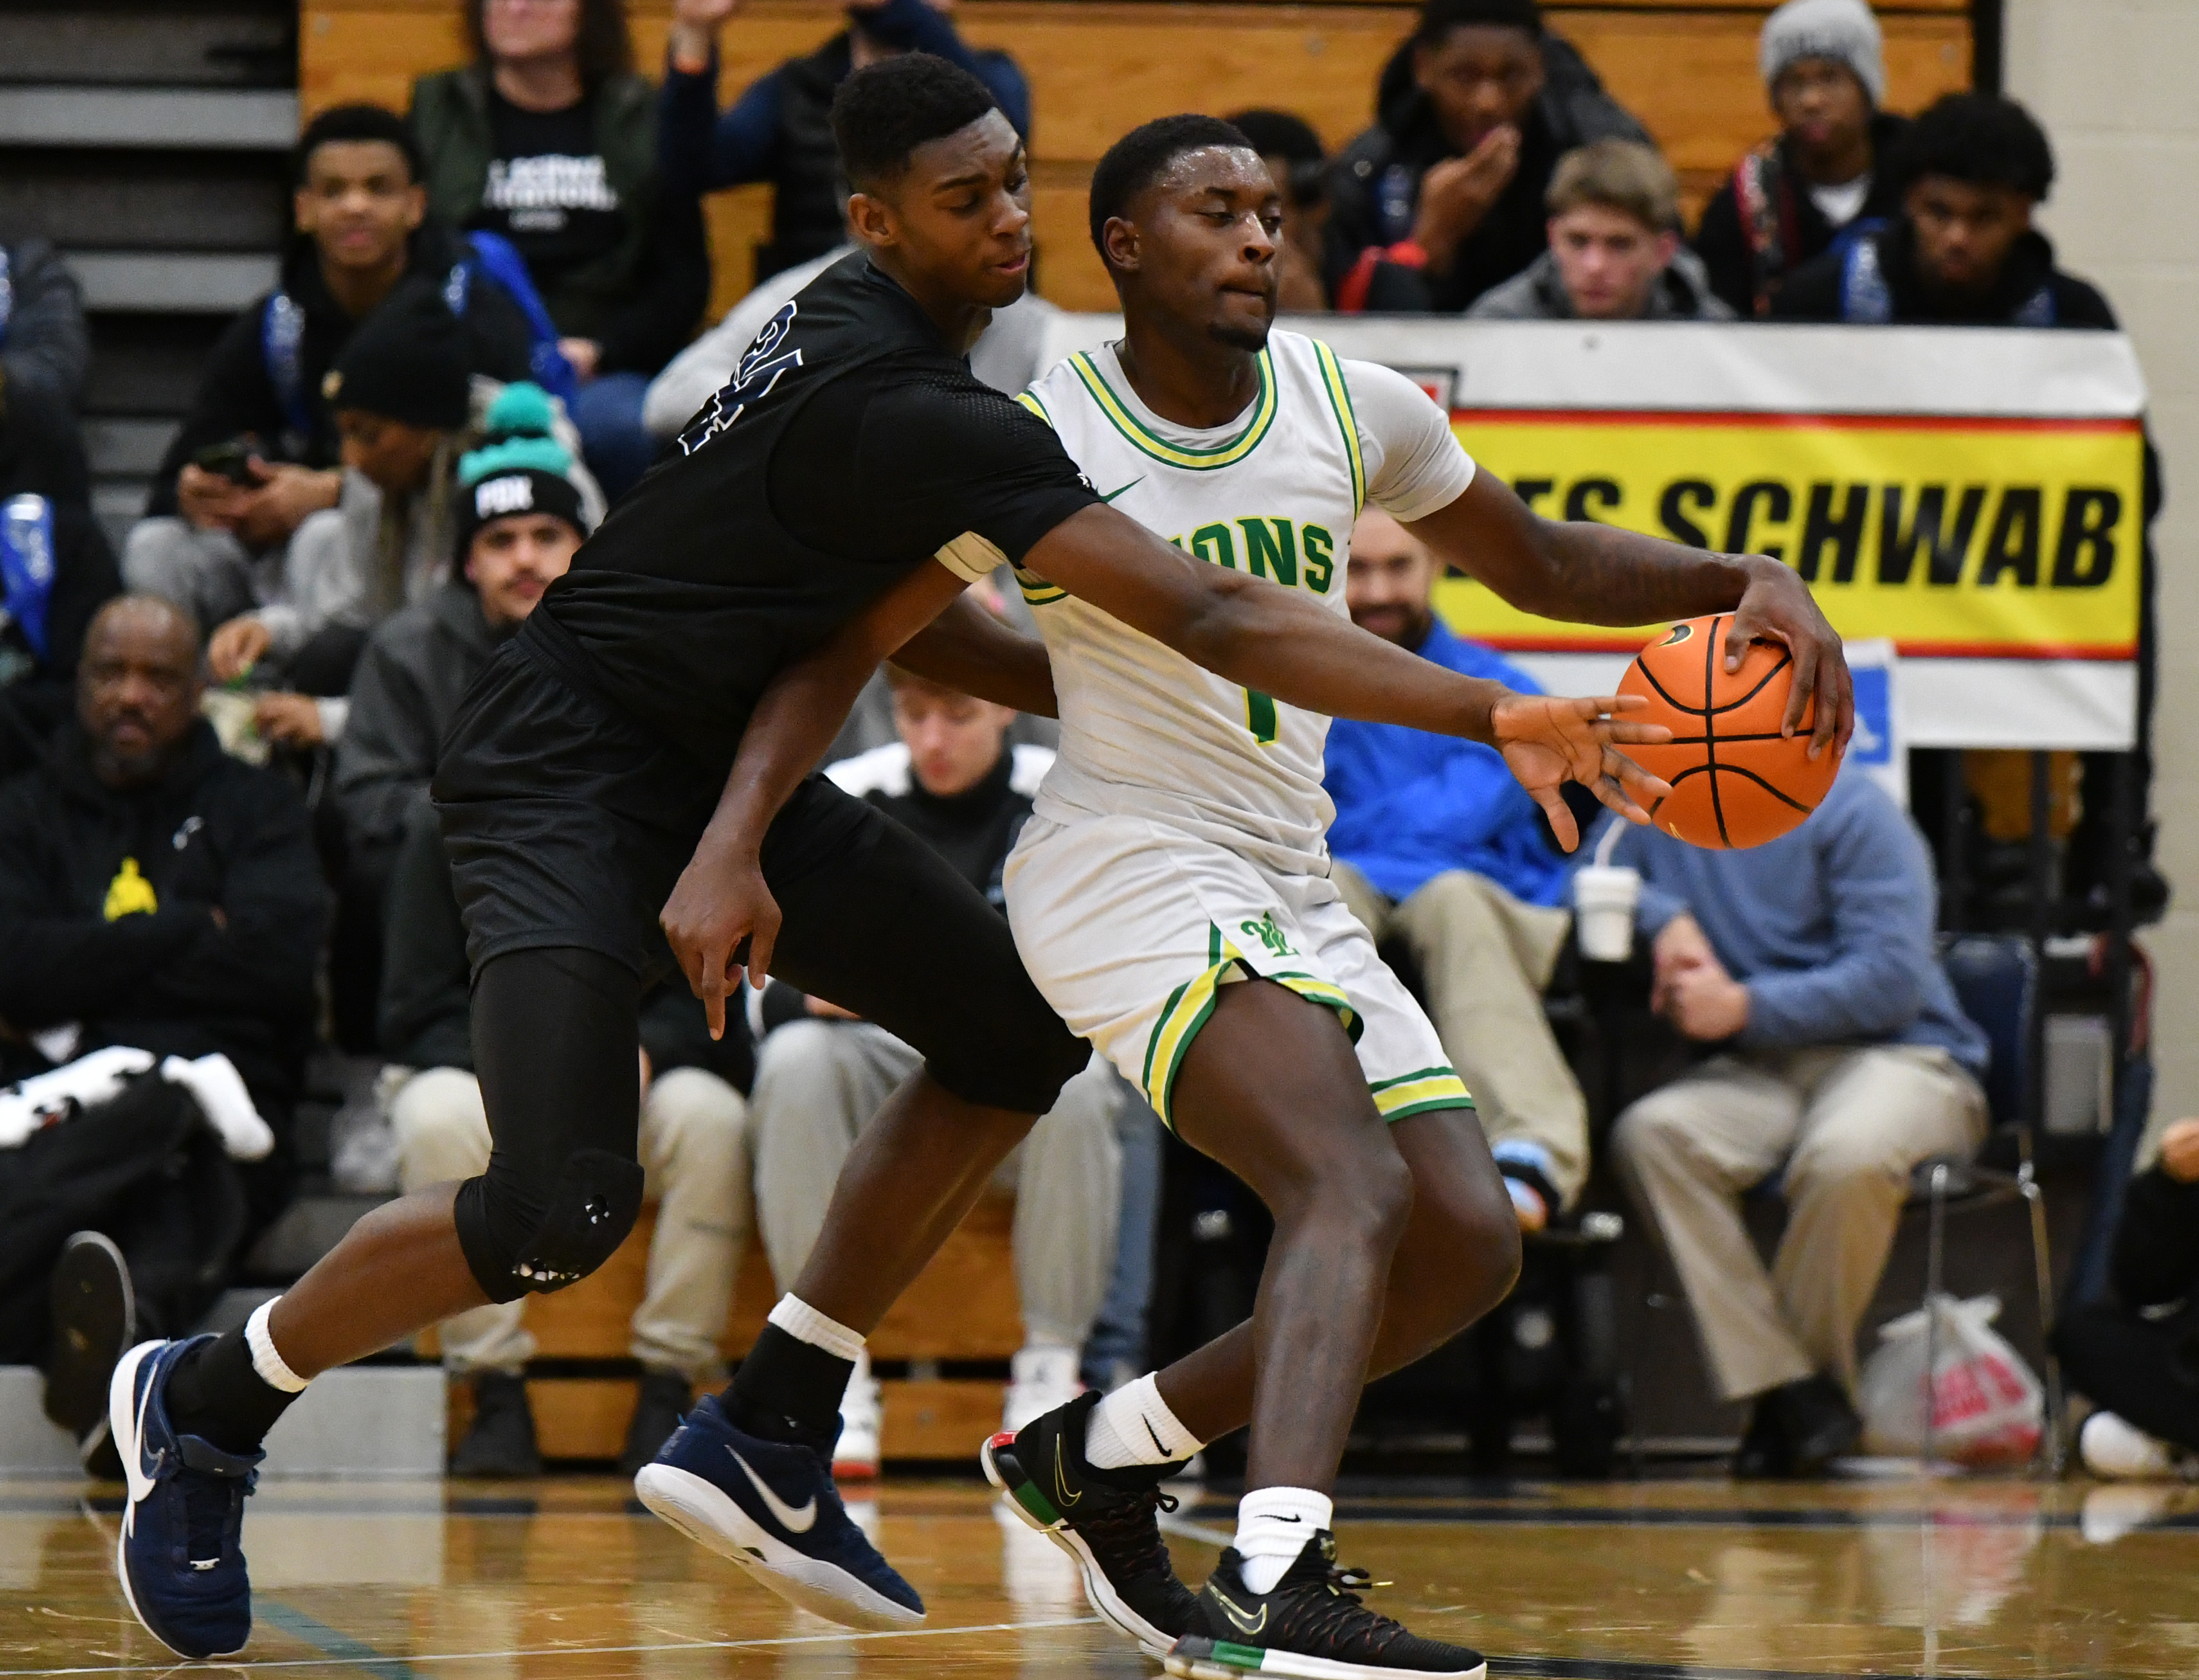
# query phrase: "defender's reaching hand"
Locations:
[[1548, 742]]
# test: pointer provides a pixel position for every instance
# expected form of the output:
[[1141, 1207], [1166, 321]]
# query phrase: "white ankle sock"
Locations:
[[1134, 1425], [1273, 1525], [269, 1363], [806, 1324]]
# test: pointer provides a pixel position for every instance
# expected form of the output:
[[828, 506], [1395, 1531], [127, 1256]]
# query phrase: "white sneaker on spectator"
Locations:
[[2119, 1451], [861, 1421], [1039, 1379]]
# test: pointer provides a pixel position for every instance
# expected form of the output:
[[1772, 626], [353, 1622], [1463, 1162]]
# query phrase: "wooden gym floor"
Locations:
[[1663, 1580]]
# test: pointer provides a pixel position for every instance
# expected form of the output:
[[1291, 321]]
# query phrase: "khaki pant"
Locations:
[[694, 1156], [817, 1085], [1850, 1123], [1485, 959]]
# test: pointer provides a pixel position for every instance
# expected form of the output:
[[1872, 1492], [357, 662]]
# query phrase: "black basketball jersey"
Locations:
[[851, 444]]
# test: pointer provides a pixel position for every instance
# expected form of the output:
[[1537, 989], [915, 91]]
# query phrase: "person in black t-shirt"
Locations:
[[548, 140], [826, 511]]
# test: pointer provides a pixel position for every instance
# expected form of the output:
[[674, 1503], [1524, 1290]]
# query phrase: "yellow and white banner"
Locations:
[[1973, 496]]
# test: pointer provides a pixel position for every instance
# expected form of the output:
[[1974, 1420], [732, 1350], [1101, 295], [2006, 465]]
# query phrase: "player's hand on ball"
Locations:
[[1548, 742], [1778, 607], [721, 916]]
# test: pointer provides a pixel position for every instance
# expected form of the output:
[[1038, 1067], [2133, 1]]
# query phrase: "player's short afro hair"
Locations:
[[1142, 156], [1439, 17], [886, 110], [350, 124], [1980, 140]]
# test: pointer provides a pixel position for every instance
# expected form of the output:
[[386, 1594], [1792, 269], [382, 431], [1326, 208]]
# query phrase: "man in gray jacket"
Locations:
[[520, 523], [1615, 252]]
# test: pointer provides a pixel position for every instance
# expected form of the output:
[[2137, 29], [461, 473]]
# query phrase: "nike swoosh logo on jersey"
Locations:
[[1062, 1495], [795, 1519], [1245, 1623], [1132, 485]]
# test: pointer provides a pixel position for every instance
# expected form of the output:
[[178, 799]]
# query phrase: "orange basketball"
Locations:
[[1736, 780]]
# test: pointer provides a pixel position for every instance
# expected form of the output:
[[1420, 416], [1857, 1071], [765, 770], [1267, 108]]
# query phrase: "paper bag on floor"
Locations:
[[1987, 1407]]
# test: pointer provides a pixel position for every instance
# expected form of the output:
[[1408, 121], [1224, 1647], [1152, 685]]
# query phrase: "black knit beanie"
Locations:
[[517, 489], [406, 361]]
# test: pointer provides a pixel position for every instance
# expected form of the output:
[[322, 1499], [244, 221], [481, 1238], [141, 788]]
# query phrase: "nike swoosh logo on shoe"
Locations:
[[137, 1440], [1062, 1495], [795, 1519], [1245, 1623]]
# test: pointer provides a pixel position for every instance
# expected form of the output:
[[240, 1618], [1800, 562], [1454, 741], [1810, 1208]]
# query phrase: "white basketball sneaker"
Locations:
[[1039, 1379], [2118, 1451], [856, 1458]]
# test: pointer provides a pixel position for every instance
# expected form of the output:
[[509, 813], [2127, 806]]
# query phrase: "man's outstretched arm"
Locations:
[[1591, 573], [1244, 629]]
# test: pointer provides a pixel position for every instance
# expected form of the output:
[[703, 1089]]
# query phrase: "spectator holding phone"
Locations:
[[258, 451]]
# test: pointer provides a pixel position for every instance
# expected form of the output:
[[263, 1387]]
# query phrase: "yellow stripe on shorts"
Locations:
[[1181, 1016], [1417, 1093], [1323, 991]]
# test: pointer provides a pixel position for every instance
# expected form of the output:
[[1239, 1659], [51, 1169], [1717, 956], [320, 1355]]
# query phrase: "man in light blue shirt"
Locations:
[[1437, 845], [1843, 1060]]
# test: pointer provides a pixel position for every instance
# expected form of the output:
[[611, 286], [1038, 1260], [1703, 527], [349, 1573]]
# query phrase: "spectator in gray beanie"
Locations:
[[1824, 177], [1844, 31]]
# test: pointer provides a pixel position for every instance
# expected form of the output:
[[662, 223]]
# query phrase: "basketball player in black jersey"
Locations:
[[852, 472]]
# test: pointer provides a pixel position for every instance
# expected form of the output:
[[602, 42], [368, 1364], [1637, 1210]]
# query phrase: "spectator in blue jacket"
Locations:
[[1437, 846], [1841, 1061], [780, 130]]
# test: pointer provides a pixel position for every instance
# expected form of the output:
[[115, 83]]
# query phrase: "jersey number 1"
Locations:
[[1260, 717]]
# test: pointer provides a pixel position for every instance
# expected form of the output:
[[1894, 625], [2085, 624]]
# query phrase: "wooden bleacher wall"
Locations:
[[1097, 67]]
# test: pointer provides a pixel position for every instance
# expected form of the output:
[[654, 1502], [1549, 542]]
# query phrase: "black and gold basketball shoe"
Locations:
[[1109, 1520], [1313, 1625]]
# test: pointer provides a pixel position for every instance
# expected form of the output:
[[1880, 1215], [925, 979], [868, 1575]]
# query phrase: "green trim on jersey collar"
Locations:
[[1126, 421]]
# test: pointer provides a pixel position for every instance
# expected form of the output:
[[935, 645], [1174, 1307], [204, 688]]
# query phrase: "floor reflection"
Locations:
[[568, 1580]]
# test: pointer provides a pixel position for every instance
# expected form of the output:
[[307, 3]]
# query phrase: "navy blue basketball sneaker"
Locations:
[[771, 1507], [180, 1557]]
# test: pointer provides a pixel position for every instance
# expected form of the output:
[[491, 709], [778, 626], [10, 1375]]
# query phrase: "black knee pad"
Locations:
[[518, 1243], [1021, 1068]]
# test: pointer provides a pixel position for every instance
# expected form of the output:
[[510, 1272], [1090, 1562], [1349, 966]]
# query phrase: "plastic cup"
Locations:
[[1604, 898]]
